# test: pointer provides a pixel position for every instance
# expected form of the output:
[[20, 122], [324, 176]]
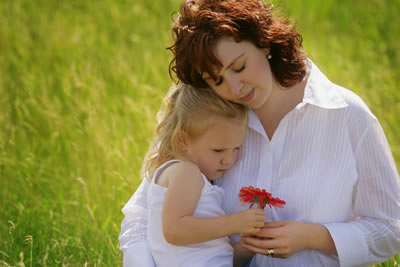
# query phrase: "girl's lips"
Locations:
[[248, 97]]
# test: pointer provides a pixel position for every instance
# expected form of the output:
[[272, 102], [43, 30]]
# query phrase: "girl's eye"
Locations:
[[218, 150]]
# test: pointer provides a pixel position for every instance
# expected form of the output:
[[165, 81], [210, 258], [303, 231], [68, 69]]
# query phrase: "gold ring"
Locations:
[[270, 252]]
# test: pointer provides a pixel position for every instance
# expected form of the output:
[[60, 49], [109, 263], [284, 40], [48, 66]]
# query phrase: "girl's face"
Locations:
[[245, 76], [215, 151]]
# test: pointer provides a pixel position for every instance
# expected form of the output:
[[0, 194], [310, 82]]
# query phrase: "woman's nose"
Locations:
[[234, 84]]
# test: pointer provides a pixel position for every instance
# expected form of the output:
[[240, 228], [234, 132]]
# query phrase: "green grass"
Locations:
[[80, 85]]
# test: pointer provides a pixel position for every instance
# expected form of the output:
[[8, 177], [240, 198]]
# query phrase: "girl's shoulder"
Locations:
[[181, 172]]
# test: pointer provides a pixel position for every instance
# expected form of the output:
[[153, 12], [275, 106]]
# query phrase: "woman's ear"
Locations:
[[181, 141], [267, 51]]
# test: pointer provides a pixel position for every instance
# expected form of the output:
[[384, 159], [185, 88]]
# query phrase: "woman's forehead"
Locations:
[[228, 52]]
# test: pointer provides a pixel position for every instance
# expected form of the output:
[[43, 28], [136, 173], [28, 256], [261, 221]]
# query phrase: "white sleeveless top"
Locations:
[[216, 253]]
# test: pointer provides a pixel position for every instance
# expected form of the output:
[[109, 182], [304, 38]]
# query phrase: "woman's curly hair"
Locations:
[[200, 24]]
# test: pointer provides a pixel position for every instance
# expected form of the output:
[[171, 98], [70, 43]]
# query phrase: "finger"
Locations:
[[269, 232], [262, 251], [274, 224], [255, 249], [258, 245], [254, 231], [261, 219], [260, 225], [257, 242], [259, 211], [262, 242], [255, 227]]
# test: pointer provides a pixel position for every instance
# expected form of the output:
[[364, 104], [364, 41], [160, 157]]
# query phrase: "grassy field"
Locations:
[[80, 84]]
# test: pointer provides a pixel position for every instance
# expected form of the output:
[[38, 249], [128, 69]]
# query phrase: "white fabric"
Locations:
[[133, 236], [138, 254], [133, 226], [330, 161], [218, 252]]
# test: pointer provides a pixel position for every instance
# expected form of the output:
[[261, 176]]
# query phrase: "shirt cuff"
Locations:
[[350, 243]]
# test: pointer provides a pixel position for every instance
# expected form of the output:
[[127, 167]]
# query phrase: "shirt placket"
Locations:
[[277, 145]]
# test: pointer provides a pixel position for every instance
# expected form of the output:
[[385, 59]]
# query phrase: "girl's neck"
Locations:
[[184, 157]]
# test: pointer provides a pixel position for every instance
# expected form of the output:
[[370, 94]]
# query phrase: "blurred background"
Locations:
[[81, 83]]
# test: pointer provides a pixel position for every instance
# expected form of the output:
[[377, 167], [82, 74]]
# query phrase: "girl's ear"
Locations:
[[181, 141]]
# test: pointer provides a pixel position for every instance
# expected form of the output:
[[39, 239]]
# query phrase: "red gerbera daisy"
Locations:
[[260, 196]]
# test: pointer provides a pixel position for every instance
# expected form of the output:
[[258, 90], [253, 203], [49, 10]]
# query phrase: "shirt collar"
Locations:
[[255, 123], [319, 91]]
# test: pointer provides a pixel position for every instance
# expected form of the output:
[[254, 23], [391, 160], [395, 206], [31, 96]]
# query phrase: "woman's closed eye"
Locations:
[[218, 82], [240, 69]]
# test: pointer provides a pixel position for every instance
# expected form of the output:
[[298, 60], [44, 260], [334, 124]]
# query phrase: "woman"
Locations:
[[310, 142]]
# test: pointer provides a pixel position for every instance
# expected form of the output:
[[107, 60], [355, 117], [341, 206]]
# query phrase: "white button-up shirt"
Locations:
[[330, 161]]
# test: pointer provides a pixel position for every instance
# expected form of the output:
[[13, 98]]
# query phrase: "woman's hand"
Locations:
[[248, 222], [286, 238]]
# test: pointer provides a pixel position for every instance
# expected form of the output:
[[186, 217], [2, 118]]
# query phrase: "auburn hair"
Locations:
[[200, 24]]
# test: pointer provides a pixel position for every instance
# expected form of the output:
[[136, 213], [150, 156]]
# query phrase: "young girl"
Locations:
[[198, 138]]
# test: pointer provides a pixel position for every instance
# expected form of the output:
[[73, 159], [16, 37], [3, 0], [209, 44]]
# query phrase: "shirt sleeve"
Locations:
[[133, 236], [138, 254], [374, 234]]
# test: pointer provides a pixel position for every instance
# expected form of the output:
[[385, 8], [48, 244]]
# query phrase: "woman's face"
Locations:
[[245, 76]]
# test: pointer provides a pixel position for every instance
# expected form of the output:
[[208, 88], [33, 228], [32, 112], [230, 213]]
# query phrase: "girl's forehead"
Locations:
[[227, 131]]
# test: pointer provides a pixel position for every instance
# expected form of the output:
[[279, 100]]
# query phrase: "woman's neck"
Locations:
[[280, 102]]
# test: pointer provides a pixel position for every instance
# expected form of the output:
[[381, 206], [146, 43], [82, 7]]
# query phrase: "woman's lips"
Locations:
[[248, 97]]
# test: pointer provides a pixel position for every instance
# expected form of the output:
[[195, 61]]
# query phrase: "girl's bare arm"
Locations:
[[185, 184]]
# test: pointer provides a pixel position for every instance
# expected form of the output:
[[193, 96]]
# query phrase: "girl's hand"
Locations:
[[249, 221], [286, 238]]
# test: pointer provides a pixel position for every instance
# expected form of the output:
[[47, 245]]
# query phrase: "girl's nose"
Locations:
[[228, 160]]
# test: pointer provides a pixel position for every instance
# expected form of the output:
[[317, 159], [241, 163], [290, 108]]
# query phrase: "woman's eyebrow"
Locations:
[[227, 67], [234, 60]]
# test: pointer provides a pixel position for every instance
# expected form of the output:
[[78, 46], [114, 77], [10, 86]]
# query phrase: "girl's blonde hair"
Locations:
[[190, 112]]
